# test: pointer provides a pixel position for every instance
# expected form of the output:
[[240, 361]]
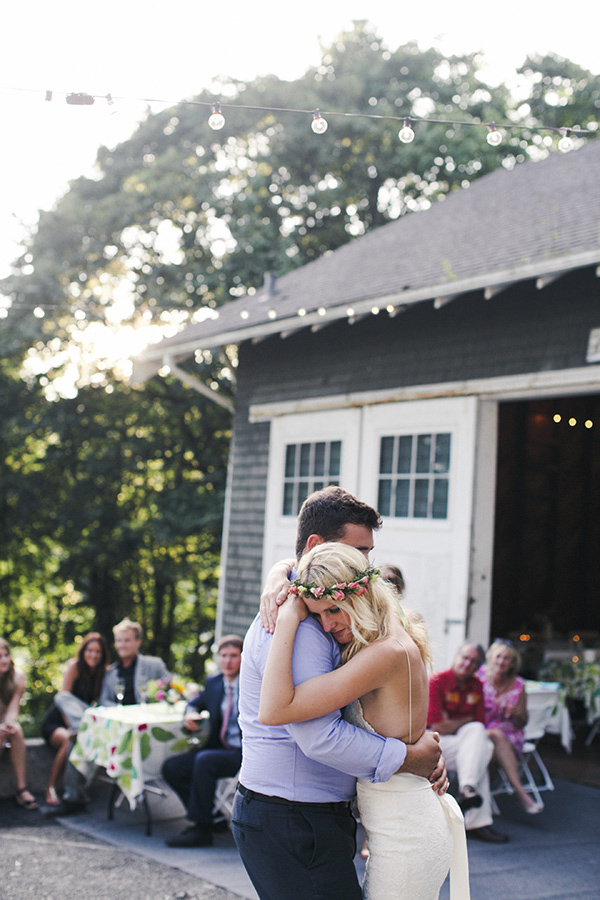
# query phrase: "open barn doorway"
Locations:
[[546, 569]]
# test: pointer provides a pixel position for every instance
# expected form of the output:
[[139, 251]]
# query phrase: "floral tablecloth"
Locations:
[[132, 742]]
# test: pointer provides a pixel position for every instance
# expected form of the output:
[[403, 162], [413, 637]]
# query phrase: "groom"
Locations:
[[292, 821]]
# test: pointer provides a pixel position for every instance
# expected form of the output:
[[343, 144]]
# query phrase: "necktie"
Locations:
[[227, 714]]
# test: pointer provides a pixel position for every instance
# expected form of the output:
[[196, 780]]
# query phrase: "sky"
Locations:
[[172, 50]]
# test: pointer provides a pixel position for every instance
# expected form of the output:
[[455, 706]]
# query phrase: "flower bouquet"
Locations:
[[170, 690]]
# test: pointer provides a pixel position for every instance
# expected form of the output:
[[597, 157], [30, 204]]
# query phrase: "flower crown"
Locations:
[[338, 590]]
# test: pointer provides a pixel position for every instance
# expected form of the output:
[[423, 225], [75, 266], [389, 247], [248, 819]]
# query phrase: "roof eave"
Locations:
[[167, 352]]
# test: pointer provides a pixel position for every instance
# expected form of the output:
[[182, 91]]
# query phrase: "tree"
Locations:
[[111, 498]]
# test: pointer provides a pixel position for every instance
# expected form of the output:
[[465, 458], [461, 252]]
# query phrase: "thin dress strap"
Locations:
[[409, 690]]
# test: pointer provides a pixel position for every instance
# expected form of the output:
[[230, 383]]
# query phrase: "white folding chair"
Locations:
[[224, 797], [533, 773]]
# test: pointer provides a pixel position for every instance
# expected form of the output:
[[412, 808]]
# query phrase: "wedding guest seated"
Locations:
[[124, 682], [193, 775], [126, 679], [12, 685], [456, 711], [81, 686], [506, 714]]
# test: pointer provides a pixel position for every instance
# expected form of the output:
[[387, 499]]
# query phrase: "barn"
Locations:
[[446, 369]]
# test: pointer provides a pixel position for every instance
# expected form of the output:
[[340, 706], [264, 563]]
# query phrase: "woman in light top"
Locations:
[[12, 686], [412, 832]]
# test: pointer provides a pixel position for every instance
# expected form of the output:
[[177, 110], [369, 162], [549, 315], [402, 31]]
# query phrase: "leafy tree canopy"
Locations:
[[181, 218]]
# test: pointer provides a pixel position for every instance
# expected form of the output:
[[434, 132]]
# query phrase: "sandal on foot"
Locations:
[[26, 804], [52, 798]]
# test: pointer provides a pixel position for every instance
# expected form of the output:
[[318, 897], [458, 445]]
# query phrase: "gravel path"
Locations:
[[42, 860]]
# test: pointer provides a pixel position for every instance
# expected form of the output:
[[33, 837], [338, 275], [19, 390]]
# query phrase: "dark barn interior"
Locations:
[[546, 574]]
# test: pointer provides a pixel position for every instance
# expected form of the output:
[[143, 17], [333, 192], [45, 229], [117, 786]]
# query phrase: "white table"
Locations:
[[551, 693]]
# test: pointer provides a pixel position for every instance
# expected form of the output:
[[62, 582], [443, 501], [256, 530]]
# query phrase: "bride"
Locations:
[[413, 833]]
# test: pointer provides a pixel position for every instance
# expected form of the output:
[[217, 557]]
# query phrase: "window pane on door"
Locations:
[[309, 467], [409, 468]]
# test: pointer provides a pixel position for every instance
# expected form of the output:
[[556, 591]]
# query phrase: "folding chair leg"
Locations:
[[593, 732], [148, 814], [548, 784], [115, 792]]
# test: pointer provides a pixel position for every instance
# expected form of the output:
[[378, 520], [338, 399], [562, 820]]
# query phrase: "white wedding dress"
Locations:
[[413, 835]]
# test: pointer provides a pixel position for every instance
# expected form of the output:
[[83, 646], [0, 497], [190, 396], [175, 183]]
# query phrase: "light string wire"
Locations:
[[218, 107], [319, 125]]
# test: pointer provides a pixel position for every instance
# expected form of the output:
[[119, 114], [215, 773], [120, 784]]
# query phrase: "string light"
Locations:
[[406, 134], [566, 142], [80, 99], [216, 120], [494, 138], [319, 125]]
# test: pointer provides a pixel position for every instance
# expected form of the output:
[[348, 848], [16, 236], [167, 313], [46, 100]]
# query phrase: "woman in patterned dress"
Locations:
[[506, 714]]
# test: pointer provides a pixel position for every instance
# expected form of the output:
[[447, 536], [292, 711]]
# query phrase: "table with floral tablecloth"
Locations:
[[132, 742]]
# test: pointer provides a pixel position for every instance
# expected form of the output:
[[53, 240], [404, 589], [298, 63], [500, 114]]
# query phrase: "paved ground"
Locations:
[[553, 856]]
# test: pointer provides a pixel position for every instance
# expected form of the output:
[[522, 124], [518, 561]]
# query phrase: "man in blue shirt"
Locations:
[[292, 821]]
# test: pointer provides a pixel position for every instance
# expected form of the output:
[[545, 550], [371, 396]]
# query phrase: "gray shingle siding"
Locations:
[[248, 462], [522, 330]]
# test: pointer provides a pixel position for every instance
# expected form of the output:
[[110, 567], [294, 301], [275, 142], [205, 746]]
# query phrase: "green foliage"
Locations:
[[111, 498]]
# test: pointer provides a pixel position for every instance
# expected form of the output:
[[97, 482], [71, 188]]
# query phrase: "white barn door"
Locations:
[[428, 519], [416, 462]]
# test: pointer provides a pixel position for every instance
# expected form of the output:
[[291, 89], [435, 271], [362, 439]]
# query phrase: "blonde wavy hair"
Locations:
[[371, 613], [497, 647]]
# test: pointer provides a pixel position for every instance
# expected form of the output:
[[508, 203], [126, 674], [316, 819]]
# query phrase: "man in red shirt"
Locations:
[[456, 711]]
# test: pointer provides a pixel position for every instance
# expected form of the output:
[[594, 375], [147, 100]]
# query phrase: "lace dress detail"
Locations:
[[413, 835]]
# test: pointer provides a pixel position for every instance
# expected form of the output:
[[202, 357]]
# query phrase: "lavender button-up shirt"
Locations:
[[316, 761]]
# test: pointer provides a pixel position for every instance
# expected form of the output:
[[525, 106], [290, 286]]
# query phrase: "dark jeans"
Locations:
[[194, 775], [297, 851]]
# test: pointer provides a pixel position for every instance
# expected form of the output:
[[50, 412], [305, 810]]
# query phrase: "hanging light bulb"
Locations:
[[494, 137], [566, 142], [216, 120], [406, 134], [319, 124]]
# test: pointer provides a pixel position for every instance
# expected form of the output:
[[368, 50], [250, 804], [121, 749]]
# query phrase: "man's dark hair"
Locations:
[[230, 640], [327, 513]]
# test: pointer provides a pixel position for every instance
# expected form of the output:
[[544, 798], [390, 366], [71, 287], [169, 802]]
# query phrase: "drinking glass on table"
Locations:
[[119, 690], [143, 690]]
